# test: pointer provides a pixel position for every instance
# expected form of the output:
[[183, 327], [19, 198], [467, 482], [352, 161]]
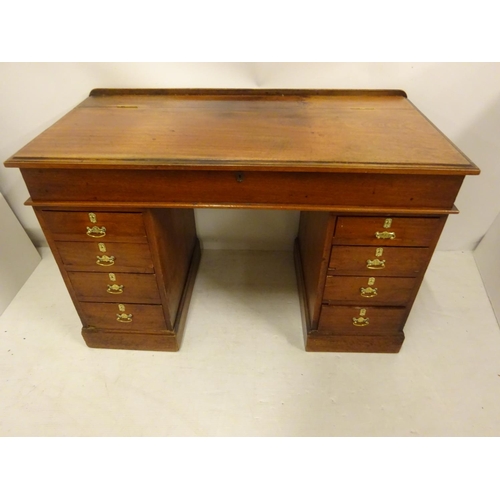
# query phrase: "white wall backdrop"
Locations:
[[461, 99]]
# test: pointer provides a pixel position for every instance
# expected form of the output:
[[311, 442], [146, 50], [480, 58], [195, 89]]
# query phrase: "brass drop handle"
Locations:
[[105, 261], [375, 264], [360, 321], [124, 318], [368, 292], [385, 235], [96, 232], [115, 289]]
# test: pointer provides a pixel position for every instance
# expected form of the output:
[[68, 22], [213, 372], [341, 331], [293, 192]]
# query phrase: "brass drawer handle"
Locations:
[[115, 289], [124, 318], [368, 292], [375, 264], [96, 232], [360, 321], [385, 235], [105, 261]]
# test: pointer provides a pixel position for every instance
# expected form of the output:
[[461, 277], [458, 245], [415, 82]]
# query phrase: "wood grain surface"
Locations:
[[128, 257], [382, 320], [407, 231], [118, 227], [145, 318], [136, 288], [389, 291], [251, 129], [398, 261]]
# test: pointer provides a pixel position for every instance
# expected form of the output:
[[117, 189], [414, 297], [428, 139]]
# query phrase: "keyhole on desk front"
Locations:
[[239, 176]]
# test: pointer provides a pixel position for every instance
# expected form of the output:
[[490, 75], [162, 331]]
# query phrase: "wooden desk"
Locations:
[[114, 183]]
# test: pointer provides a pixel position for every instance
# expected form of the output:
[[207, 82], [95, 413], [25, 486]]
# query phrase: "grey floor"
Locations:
[[242, 369]]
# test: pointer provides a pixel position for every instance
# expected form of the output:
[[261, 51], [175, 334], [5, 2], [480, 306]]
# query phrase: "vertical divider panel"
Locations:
[[172, 239], [315, 237]]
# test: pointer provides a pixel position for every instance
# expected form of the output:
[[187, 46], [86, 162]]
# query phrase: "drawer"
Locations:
[[369, 290], [95, 226], [359, 320], [104, 256], [133, 288], [129, 317], [394, 231], [377, 261]]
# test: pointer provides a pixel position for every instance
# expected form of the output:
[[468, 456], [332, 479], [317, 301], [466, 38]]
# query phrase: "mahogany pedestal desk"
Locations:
[[115, 181]]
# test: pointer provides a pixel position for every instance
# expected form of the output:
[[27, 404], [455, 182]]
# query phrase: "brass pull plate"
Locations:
[[124, 318], [385, 235], [105, 261], [96, 232], [368, 292], [375, 264], [115, 289], [360, 321]]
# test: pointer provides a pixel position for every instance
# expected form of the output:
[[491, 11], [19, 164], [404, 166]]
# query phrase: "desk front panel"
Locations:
[[227, 188]]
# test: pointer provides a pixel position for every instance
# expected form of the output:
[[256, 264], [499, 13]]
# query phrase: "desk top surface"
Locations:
[[293, 130]]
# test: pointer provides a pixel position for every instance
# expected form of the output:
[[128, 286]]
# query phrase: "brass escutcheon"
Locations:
[[92, 217]]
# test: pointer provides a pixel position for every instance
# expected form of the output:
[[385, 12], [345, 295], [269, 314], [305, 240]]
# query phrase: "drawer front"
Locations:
[[358, 320], [395, 231], [115, 287], [377, 261], [127, 317], [96, 226], [101, 257], [369, 290]]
